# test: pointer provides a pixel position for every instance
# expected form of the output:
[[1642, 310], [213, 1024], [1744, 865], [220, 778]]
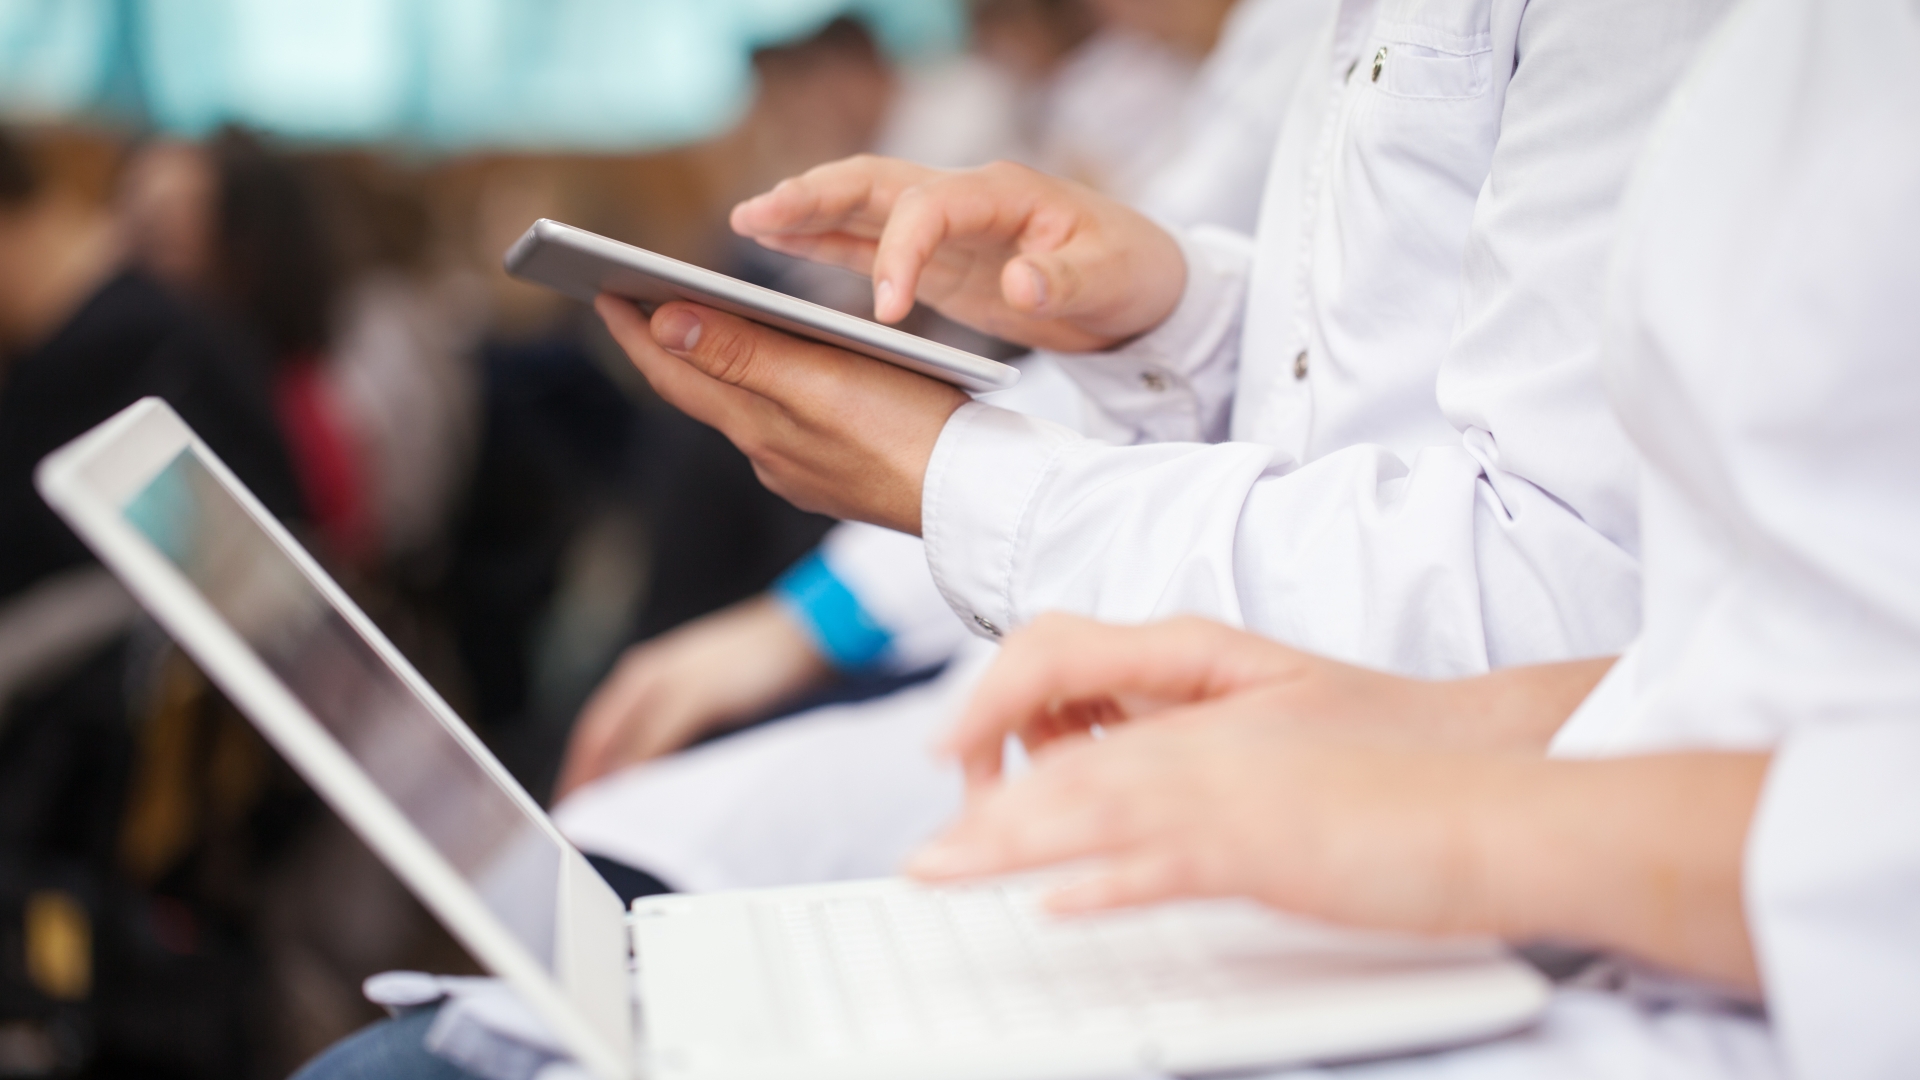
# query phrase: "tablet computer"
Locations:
[[583, 265]]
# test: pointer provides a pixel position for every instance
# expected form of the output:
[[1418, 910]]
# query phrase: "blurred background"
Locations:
[[287, 217]]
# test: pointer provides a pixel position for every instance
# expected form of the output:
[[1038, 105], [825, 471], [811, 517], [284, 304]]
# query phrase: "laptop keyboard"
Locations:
[[956, 965]]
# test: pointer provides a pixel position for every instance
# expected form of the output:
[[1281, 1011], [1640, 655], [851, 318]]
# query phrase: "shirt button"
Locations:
[[1300, 365], [1379, 61], [1153, 381], [991, 629]]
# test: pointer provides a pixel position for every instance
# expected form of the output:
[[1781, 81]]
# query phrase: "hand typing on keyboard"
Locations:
[[1234, 766]]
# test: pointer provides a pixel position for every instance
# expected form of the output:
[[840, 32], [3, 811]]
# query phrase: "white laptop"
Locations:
[[869, 979]]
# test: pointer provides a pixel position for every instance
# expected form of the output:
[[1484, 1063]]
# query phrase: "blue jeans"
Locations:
[[388, 1050], [397, 1049]]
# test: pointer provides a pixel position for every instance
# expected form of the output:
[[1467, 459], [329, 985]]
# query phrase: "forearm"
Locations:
[[1517, 708], [1642, 855]]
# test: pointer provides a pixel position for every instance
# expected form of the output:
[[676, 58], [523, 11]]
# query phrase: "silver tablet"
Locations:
[[583, 265]]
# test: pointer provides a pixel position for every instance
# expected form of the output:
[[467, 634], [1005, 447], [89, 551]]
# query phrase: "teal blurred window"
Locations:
[[452, 74]]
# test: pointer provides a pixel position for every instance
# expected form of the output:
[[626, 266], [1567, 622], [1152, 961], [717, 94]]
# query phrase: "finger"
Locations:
[[844, 250], [602, 727], [1077, 805], [594, 736], [854, 194], [991, 203], [1060, 660], [1153, 874], [1044, 285]]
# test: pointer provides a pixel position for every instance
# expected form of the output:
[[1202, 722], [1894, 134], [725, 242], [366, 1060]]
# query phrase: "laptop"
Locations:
[[866, 979]]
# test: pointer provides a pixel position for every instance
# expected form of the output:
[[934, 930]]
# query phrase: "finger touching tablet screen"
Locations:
[[583, 265]]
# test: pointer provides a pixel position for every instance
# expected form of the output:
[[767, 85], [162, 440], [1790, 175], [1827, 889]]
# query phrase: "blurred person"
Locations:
[[91, 818], [402, 357], [237, 226], [1722, 819], [84, 335]]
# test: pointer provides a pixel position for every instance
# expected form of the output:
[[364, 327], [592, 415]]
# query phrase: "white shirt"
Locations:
[[1426, 476]]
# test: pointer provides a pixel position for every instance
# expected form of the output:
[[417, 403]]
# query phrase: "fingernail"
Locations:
[[883, 296], [678, 330], [1039, 282]]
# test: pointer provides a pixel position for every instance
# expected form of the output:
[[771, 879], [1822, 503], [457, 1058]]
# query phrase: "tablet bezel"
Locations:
[[583, 264]]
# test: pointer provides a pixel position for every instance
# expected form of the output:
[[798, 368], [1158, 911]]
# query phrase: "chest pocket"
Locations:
[[1415, 61]]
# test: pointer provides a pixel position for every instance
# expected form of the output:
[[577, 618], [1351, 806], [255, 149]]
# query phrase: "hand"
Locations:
[[1348, 795], [1015, 253], [1215, 800], [1063, 675], [828, 430], [1638, 854], [697, 678]]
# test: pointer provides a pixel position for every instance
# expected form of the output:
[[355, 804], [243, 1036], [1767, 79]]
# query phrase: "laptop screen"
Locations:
[[394, 735]]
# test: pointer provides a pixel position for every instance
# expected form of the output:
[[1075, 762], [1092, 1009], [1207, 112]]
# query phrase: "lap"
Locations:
[[389, 1050], [842, 792]]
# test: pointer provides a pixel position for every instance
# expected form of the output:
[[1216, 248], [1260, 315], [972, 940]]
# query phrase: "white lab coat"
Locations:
[[1443, 223]]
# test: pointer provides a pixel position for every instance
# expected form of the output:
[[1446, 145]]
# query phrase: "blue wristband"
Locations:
[[831, 614]]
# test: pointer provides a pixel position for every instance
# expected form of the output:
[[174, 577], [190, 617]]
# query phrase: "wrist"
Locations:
[[1516, 709], [836, 624], [1639, 855]]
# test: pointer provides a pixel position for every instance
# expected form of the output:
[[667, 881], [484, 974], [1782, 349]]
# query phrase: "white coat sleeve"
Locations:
[[1501, 548]]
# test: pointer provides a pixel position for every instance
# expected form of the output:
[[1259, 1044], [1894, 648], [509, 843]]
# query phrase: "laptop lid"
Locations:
[[284, 642]]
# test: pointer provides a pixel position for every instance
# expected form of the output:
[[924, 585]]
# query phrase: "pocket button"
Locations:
[[1379, 62]]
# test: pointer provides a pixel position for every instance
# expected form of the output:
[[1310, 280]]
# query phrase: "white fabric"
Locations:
[[839, 793], [887, 571], [1213, 170], [1765, 354], [1444, 225], [482, 1025], [1111, 111]]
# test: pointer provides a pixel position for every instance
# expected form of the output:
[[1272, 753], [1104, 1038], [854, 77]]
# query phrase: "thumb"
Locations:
[[731, 350], [1042, 284]]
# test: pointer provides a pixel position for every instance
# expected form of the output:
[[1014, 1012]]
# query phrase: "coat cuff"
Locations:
[[1832, 872], [986, 469], [1175, 383]]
